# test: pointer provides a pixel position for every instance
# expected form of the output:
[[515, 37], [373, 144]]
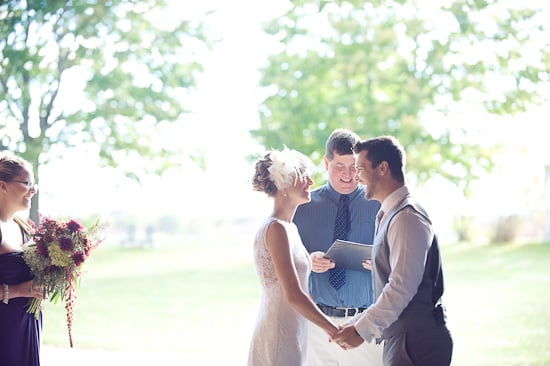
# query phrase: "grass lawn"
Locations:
[[197, 296], [498, 302]]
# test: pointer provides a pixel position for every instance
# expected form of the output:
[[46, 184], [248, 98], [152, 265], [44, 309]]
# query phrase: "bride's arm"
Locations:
[[279, 248]]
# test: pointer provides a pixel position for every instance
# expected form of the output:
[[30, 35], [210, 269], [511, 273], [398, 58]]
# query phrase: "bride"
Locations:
[[283, 265]]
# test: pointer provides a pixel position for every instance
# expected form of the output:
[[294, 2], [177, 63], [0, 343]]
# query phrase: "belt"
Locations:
[[340, 312]]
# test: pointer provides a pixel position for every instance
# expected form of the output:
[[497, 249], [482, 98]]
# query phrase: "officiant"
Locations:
[[338, 210]]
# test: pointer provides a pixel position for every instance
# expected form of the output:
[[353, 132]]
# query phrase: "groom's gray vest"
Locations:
[[424, 310]]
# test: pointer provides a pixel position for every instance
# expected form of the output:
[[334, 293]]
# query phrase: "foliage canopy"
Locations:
[[134, 71], [389, 67]]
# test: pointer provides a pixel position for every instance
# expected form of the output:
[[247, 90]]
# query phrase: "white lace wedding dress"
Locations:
[[280, 334]]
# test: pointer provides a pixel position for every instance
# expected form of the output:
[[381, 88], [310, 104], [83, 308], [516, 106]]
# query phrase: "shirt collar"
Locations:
[[394, 198], [336, 196]]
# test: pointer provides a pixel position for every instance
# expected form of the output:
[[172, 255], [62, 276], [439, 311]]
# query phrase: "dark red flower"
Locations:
[[48, 230], [86, 243], [74, 226], [66, 244], [78, 258], [50, 269], [42, 249], [48, 225]]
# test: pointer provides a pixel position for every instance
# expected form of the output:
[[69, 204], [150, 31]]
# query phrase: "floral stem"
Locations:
[[35, 307]]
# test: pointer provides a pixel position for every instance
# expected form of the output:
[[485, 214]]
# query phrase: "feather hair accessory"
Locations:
[[283, 167], [287, 164]]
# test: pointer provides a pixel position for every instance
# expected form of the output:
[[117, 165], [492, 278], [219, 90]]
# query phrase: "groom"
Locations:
[[407, 276]]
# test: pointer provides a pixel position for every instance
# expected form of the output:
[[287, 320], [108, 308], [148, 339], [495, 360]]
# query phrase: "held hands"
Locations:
[[347, 337], [332, 330], [319, 263]]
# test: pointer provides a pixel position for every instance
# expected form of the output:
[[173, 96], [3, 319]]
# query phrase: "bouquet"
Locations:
[[56, 255]]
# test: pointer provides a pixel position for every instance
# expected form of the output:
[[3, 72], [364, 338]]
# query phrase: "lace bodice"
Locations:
[[262, 257], [280, 332]]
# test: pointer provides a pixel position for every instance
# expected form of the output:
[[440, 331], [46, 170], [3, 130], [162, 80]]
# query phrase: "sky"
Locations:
[[225, 109]]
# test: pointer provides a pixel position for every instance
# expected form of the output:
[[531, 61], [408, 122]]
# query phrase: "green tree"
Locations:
[[135, 69], [380, 67]]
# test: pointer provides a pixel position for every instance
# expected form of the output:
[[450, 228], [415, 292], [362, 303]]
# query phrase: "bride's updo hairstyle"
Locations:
[[278, 170], [11, 165]]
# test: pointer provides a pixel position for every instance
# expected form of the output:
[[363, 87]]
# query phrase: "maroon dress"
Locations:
[[19, 331]]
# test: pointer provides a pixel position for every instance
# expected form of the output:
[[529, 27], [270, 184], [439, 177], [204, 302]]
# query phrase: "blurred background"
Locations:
[[149, 114]]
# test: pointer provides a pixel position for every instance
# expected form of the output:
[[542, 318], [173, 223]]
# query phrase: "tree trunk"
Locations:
[[33, 214], [547, 206]]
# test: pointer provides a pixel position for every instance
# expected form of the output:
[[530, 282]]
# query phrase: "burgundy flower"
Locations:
[[48, 230], [48, 225], [42, 249], [50, 269], [66, 244], [78, 258], [74, 226], [86, 243], [59, 231]]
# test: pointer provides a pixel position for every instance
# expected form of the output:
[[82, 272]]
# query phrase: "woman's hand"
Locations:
[[332, 330], [26, 289]]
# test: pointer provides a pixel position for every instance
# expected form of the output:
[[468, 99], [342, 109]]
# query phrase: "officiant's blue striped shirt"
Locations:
[[315, 221]]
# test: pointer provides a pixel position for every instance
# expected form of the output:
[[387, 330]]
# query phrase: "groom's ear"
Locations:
[[383, 168]]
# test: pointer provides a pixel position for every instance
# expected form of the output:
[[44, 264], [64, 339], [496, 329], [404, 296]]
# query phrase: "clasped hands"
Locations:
[[347, 337]]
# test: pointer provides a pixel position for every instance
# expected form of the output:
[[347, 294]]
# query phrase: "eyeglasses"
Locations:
[[28, 184]]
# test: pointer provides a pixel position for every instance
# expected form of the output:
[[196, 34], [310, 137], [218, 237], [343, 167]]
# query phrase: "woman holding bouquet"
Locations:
[[19, 330]]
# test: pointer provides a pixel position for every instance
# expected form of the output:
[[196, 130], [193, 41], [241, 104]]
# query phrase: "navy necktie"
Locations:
[[337, 276]]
